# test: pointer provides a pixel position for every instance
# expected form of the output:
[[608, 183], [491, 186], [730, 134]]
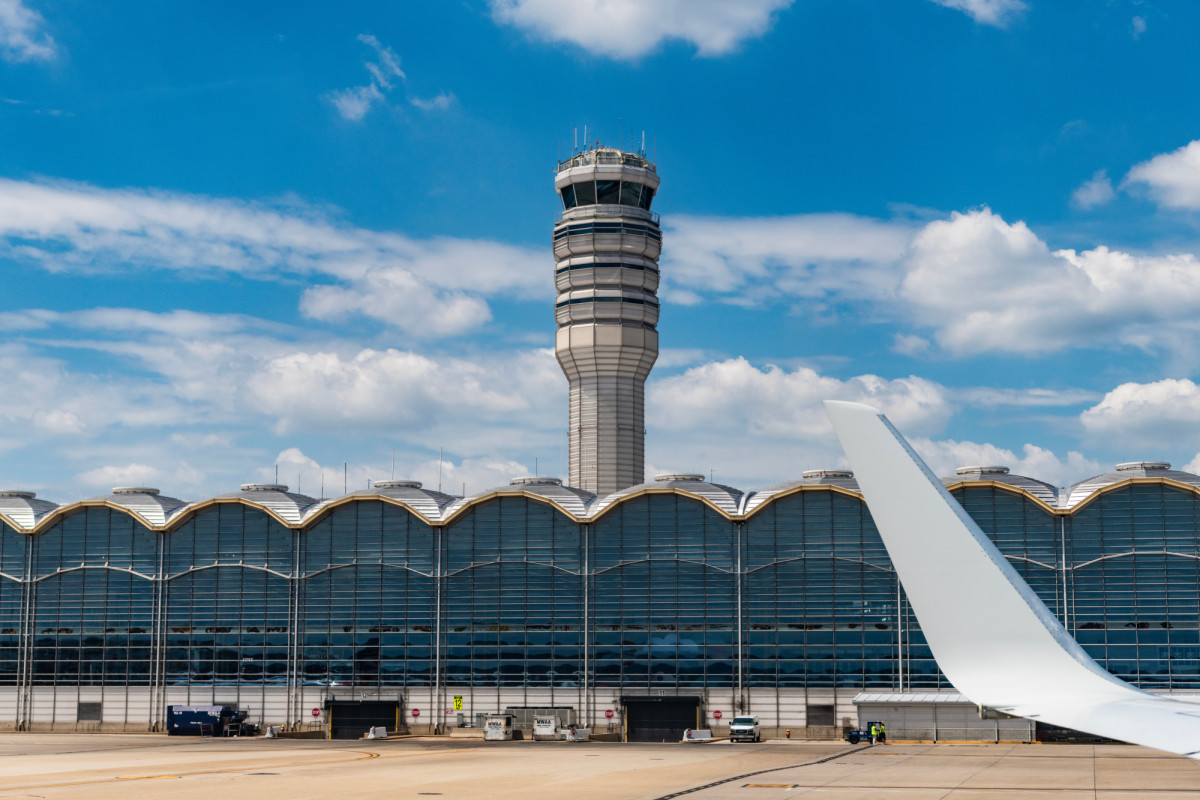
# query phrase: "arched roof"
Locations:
[[725, 498], [143, 501], [1129, 471], [288, 506], [23, 509], [841, 478], [1043, 491], [425, 502], [574, 501]]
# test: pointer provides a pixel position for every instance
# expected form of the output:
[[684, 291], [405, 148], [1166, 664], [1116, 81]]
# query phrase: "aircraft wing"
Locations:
[[991, 635]]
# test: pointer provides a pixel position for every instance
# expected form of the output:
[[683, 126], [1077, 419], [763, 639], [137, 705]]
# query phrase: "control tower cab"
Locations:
[[606, 245]]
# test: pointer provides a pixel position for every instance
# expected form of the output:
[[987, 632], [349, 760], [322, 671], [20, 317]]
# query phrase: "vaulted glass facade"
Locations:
[[659, 590]]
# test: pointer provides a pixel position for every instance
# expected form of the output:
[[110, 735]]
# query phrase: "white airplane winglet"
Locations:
[[991, 634]]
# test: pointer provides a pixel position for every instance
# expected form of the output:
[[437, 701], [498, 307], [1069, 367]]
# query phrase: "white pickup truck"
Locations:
[[744, 729]]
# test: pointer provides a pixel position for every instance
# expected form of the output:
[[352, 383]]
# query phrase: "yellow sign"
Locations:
[[458, 702]]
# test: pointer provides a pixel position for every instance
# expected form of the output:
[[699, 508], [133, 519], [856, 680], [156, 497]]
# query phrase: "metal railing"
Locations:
[[610, 210]]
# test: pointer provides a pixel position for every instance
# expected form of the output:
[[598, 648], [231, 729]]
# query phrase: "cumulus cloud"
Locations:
[[82, 228], [988, 12], [946, 456], [395, 390], [1137, 27], [628, 29], [122, 475], [1171, 179], [22, 34], [1096, 191], [1152, 412], [985, 285], [971, 283], [736, 396]]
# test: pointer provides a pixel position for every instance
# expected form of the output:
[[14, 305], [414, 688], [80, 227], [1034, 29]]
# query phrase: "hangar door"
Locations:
[[660, 719], [351, 720]]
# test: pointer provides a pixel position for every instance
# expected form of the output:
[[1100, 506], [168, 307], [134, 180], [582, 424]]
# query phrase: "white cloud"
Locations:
[[984, 285], [22, 37], [1096, 191], [439, 102], [988, 12], [1137, 27], [121, 475], [736, 396], [82, 228], [354, 103], [1172, 179], [627, 29], [402, 391], [945, 456], [1159, 412], [809, 256]]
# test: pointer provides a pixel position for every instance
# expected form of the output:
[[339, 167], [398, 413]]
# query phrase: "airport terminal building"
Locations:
[[676, 597], [637, 609]]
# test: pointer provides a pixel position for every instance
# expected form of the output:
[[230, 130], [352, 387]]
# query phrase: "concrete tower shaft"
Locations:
[[606, 247]]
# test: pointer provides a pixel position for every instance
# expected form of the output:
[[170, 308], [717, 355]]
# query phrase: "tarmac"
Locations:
[[137, 766]]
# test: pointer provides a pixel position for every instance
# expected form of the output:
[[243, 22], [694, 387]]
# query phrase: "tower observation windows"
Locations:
[[626, 193], [608, 192]]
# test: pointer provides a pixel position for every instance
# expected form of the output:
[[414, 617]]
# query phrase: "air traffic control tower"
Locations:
[[606, 245]]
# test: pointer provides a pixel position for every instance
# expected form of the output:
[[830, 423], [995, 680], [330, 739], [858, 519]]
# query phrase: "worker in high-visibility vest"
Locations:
[[874, 732], [883, 733]]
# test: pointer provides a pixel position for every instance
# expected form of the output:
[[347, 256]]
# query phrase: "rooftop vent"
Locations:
[[263, 487], [397, 484], [665, 477], [134, 490], [1128, 465], [827, 473], [532, 480], [981, 470], [17, 493]]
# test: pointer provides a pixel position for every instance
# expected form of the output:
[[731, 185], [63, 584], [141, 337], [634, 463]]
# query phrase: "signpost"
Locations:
[[416, 712], [608, 714], [458, 702], [716, 715], [316, 712]]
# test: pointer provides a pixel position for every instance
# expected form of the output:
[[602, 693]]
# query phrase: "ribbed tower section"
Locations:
[[606, 245]]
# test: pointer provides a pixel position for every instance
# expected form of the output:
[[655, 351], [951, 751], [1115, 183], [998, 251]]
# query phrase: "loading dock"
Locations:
[[660, 719], [350, 720]]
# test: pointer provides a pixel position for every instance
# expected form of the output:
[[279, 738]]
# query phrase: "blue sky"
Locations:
[[299, 236]]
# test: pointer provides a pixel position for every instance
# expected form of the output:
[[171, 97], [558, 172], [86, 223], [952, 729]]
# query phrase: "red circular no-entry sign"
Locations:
[[416, 712], [609, 713], [316, 712], [716, 715]]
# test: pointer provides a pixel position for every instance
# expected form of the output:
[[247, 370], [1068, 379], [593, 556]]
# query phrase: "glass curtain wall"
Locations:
[[12, 574], [664, 594], [227, 598], [1133, 554], [819, 596], [512, 596], [92, 593], [367, 599]]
